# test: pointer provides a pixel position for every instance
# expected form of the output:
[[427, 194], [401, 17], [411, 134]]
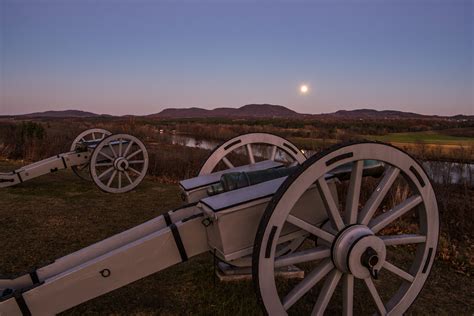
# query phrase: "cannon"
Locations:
[[331, 214], [115, 163]]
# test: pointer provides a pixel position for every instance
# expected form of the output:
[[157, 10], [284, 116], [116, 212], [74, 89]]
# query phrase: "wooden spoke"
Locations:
[[330, 204], [132, 162], [396, 270], [274, 152], [227, 162], [120, 147], [347, 295], [106, 156], [303, 256], [307, 283], [405, 239], [120, 179], [326, 292], [128, 177], [353, 194], [104, 164], [378, 195], [134, 154], [127, 149], [375, 296], [321, 233], [93, 136], [134, 170], [111, 178], [106, 172], [112, 150], [388, 217], [250, 153]]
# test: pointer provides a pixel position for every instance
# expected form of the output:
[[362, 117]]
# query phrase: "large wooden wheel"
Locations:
[[255, 146], [270, 147], [119, 163], [80, 143], [383, 249]]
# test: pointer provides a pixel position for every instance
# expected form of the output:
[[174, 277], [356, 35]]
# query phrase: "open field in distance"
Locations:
[[429, 137], [447, 139]]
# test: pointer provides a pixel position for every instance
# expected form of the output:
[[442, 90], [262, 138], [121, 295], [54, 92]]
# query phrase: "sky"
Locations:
[[139, 57]]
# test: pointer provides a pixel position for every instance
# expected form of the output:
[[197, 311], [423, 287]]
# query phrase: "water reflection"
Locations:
[[443, 172]]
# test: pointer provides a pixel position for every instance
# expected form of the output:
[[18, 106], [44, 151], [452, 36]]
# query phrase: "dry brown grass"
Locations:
[[54, 215]]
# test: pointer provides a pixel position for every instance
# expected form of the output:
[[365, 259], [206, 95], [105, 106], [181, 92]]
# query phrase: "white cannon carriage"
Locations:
[[267, 223], [115, 163]]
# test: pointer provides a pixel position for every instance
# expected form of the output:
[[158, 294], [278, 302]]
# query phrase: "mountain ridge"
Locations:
[[61, 114], [250, 111], [279, 111]]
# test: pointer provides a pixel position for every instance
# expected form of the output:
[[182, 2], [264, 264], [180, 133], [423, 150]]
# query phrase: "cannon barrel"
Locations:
[[236, 180]]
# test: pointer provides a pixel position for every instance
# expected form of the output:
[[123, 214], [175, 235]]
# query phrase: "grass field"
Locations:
[[56, 214], [428, 137], [435, 145], [442, 141]]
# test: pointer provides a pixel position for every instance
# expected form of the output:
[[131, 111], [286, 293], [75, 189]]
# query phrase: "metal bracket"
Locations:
[[206, 222]]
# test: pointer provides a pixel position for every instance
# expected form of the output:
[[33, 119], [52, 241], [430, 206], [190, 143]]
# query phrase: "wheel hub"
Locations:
[[359, 252], [121, 164]]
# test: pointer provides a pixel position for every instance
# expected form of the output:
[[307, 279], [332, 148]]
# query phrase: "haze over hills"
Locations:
[[253, 111]]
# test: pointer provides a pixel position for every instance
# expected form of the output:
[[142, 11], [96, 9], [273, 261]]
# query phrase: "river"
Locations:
[[439, 171]]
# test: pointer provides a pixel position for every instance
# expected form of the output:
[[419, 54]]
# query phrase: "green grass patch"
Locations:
[[428, 137]]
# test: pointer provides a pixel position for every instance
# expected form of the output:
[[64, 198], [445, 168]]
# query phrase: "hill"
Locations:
[[279, 111], [390, 114], [249, 110], [374, 114], [253, 111], [62, 114]]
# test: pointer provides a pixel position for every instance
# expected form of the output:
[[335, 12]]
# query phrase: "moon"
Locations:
[[304, 89]]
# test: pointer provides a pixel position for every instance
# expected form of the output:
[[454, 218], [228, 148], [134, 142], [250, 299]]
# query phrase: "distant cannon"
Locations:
[[320, 212], [115, 163]]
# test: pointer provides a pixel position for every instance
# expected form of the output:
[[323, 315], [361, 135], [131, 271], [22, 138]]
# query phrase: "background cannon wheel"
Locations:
[[256, 146], [395, 245], [82, 171], [119, 163]]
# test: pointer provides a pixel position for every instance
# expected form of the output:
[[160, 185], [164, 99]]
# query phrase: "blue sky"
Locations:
[[139, 57]]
